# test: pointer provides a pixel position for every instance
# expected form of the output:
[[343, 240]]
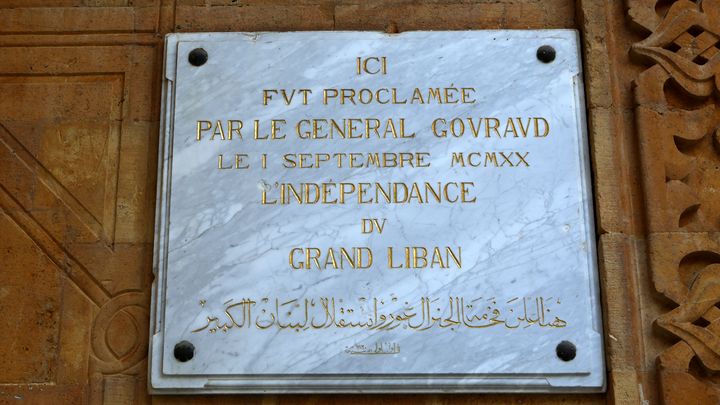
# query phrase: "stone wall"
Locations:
[[79, 105]]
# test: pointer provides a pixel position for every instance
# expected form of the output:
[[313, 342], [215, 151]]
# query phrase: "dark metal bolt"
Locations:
[[546, 54], [184, 351], [565, 350], [198, 57]]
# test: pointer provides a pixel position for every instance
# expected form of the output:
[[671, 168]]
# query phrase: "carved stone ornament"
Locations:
[[677, 121]]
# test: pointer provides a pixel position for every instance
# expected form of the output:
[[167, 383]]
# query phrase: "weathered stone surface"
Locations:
[[677, 118], [29, 328], [454, 16]]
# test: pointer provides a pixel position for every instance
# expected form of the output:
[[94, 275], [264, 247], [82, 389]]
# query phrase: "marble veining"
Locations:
[[223, 260]]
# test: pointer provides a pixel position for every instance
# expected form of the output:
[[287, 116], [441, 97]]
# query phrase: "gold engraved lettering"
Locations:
[[378, 313], [352, 128], [474, 159], [494, 126], [239, 162], [267, 95], [202, 125], [512, 127], [465, 97], [492, 158], [434, 94], [308, 258], [393, 95], [275, 126], [372, 65], [370, 193], [218, 131], [450, 95], [234, 127], [546, 127], [220, 163]]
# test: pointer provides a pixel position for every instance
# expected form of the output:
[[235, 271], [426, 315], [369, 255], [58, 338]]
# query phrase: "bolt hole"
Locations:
[[184, 351], [198, 57], [565, 350], [546, 54]]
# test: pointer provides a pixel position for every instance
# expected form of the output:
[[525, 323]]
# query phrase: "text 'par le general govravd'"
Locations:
[[338, 207]]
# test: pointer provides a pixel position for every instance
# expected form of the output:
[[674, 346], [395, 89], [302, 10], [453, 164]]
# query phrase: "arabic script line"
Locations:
[[381, 314]]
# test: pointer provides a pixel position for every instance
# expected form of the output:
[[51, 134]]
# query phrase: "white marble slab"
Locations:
[[225, 280]]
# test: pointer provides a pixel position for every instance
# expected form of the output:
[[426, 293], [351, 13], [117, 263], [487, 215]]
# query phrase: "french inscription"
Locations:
[[361, 130], [360, 205]]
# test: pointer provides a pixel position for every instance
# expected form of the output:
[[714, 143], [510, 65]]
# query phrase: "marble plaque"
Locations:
[[369, 212]]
